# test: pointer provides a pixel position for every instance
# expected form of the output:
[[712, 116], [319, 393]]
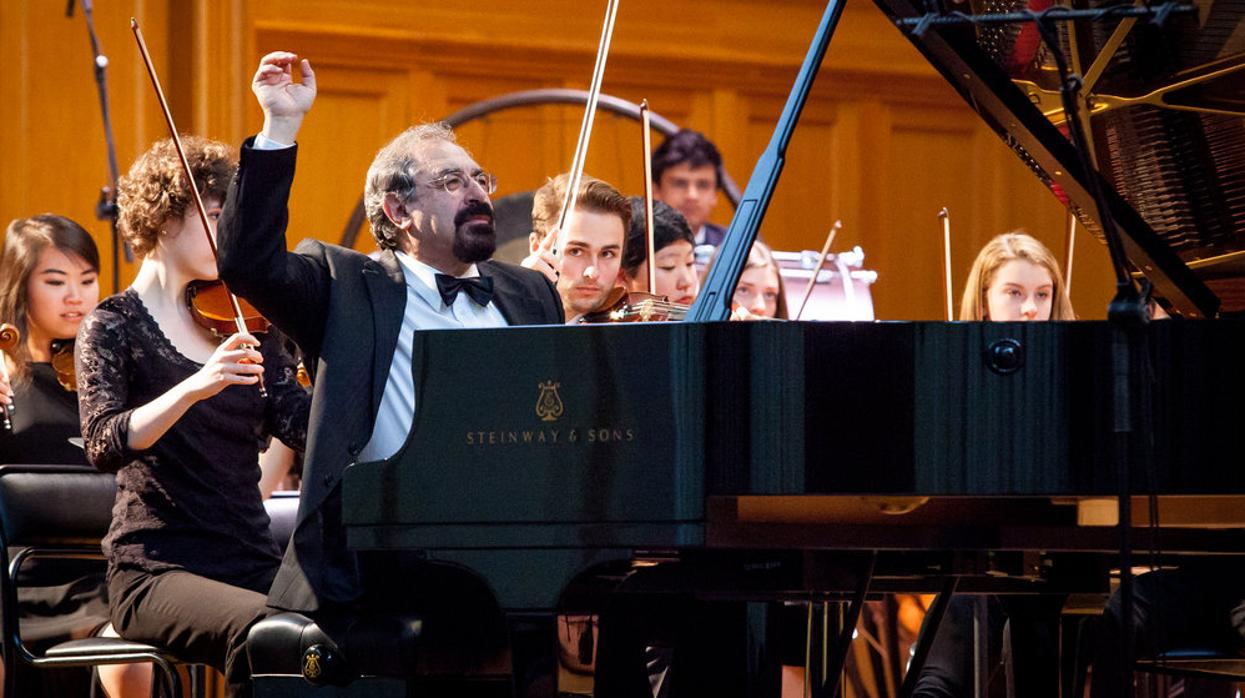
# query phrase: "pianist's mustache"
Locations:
[[478, 208]]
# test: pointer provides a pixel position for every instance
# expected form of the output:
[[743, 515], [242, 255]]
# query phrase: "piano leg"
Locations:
[[929, 630]]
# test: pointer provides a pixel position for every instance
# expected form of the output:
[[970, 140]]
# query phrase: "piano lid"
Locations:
[[1167, 126]]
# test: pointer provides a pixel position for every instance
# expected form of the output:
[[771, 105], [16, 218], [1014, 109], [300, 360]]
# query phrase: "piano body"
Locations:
[[923, 449]]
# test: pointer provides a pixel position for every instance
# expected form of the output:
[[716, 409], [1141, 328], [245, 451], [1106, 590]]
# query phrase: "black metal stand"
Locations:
[[106, 206]]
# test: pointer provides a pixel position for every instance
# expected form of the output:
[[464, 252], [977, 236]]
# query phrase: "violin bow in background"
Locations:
[[239, 320], [585, 127], [821, 262], [947, 296], [650, 242]]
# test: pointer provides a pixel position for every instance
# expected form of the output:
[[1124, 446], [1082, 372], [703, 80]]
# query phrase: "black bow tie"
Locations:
[[479, 288]]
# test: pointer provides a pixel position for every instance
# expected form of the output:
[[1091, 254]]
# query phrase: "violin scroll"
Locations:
[[9, 337]]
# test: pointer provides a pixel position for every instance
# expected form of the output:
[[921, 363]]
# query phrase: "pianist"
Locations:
[[587, 267], [354, 318]]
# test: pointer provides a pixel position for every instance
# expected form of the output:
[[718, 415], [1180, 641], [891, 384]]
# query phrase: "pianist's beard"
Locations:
[[475, 238]]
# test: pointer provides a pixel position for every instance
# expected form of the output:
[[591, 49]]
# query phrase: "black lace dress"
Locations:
[[191, 501]]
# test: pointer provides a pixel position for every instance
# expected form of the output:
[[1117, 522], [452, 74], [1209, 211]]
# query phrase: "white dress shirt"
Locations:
[[424, 311]]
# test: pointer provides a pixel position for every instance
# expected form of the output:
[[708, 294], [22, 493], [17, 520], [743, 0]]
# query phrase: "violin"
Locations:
[[62, 363], [634, 306], [212, 310], [9, 337]]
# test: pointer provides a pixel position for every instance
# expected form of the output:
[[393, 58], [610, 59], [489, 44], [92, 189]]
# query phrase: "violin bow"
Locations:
[[9, 337], [585, 126], [238, 319], [1069, 249], [650, 240], [821, 262], [948, 298]]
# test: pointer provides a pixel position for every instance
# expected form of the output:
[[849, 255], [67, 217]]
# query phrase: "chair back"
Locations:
[[55, 504]]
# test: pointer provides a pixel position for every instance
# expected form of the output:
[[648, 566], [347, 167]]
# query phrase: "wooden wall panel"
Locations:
[[883, 145]]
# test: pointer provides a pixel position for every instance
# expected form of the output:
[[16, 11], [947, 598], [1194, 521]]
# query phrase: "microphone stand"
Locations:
[[106, 207]]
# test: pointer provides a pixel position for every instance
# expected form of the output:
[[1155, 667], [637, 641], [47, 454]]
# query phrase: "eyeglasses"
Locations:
[[455, 180]]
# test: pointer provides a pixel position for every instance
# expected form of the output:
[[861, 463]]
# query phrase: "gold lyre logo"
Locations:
[[311, 665], [549, 403]]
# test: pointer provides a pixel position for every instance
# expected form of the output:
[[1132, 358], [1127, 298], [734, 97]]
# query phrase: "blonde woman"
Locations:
[[1015, 278]]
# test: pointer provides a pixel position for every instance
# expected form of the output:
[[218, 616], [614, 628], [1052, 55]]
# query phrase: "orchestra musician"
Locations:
[[687, 170], [675, 275], [48, 283], [178, 416], [1014, 278], [354, 318], [49, 275], [587, 267], [760, 293]]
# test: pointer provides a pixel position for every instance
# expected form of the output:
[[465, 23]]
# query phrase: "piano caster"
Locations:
[[1005, 356]]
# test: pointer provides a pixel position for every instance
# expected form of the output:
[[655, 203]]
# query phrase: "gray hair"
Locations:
[[393, 171]]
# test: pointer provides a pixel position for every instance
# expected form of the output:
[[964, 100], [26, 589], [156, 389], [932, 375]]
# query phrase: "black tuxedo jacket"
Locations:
[[344, 310]]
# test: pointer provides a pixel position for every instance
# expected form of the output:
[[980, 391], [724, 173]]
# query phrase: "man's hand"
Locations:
[[542, 258], [284, 101]]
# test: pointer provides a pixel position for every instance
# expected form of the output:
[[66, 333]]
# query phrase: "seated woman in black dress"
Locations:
[[48, 283], [179, 417]]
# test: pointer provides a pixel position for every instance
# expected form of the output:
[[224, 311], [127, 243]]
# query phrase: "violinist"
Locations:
[[675, 274], [355, 318], [587, 267], [178, 416], [48, 283]]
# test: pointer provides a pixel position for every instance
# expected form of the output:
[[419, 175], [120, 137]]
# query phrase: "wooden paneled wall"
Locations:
[[884, 143]]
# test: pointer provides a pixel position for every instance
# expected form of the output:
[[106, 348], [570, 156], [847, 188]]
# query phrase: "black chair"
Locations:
[[61, 512]]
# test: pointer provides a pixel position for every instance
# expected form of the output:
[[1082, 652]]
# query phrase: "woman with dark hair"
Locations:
[[48, 283], [179, 417], [675, 274]]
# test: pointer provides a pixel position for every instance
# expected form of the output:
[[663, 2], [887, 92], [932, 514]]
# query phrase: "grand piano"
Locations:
[[808, 460]]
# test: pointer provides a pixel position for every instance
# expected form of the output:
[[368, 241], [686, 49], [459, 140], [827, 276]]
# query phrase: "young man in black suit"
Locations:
[[354, 317]]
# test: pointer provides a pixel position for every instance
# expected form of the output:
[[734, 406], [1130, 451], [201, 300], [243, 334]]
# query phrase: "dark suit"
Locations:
[[713, 234], [345, 311]]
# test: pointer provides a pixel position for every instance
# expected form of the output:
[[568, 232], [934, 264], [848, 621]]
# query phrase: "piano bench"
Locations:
[[292, 656], [1196, 662]]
